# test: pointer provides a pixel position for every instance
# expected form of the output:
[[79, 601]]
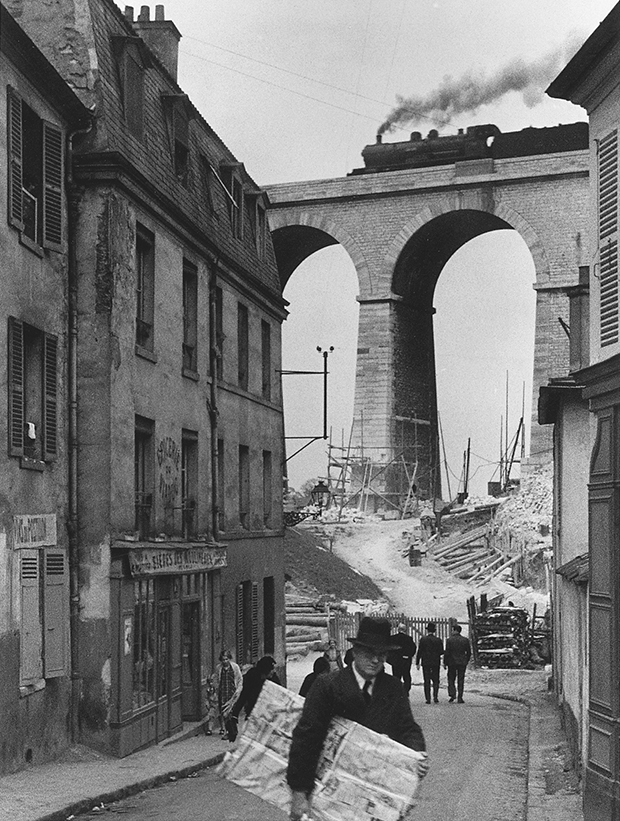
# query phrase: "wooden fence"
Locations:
[[343, 625]]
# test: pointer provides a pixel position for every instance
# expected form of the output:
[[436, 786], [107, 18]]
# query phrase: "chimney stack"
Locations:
[[160, 35]]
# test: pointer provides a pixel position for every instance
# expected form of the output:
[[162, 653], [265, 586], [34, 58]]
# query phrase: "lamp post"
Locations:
[[320, 495]]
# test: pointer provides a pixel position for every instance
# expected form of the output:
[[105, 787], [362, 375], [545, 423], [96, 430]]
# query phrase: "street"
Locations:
[[478, 754]]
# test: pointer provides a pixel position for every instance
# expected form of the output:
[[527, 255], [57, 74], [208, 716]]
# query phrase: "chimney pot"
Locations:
[[159, 13], [161, 36], [379, 139], [129, 14], [415, 136], [145, 14]]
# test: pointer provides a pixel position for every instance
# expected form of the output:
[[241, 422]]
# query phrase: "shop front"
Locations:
[[168, 623]]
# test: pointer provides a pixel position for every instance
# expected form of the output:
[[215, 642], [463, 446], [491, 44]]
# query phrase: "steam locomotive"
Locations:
[[478, 142]]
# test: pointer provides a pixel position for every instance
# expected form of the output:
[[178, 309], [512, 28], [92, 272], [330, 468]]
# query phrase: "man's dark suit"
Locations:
[[429, 654], [456, 659]]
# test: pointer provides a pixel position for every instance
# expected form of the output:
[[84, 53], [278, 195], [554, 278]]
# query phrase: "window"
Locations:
[[190, 316], [189, 479], [266, 359], [261, 230], [221, 485], [177, 113], [131, 60], [244, 486], [219, 333], [143, 476], [33, 393], [144, 640], [44, 605], [608, 237], [247, 623], [243, 352], [235, 198], [145, 287], [35, 178], [206, 176], [269, 615], [267, 488]]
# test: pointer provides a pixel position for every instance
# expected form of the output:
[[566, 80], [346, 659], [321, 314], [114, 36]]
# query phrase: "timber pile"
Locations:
[[502, 637], [307, 625], [471, 556]]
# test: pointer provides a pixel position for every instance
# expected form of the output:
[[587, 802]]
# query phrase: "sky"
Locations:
[[296, 89]]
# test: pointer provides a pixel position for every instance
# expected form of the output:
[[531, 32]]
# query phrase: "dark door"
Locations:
[[190, 649]]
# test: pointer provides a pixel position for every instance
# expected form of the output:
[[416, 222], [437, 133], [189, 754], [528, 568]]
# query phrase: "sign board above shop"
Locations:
[[169, 560]]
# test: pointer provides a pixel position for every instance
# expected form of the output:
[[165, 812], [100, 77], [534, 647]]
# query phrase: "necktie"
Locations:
[[366, 692]]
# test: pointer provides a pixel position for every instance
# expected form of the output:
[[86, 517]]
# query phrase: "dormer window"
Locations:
[[178, 113], [257, 213], [131, 60], [234, 186], [35, 176]]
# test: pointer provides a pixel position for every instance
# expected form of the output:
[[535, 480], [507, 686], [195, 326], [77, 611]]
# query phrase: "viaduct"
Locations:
[[400, 219]]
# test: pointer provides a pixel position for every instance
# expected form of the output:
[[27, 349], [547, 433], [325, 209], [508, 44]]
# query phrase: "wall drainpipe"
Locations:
[[214, 354], [74, 583]]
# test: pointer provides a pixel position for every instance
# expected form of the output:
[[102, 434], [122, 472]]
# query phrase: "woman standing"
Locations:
[[229, 684], [332, 654]]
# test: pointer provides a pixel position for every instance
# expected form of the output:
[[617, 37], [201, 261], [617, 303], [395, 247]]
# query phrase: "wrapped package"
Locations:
[[362, 776]]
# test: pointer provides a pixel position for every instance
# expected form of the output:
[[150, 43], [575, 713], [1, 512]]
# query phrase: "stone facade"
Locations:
[[399, 228]]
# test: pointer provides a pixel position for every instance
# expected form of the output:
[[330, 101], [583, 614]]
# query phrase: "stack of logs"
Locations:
[[307, 625], [472, 557], [502, 637]]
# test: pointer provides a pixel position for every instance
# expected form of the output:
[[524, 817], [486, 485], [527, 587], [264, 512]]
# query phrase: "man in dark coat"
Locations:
[[253, 682], [362, 692], [429, 654], [456, 658], [402, 658]]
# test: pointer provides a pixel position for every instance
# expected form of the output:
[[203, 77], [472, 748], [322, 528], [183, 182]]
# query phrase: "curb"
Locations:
[[86, 804]]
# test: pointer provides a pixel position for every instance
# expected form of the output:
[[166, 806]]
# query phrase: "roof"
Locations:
[[587, 56], [31, 62], [576, 570]]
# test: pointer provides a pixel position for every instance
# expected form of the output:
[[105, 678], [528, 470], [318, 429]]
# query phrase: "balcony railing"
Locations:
[[143, 507]]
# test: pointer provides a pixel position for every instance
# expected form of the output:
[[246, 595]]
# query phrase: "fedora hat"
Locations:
[[373, 633]]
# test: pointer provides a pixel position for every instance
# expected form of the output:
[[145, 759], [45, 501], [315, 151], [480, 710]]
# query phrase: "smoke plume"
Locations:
[[474, 89]]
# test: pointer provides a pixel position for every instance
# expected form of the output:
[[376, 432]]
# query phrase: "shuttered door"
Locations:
[[52, 186], [16, 387], [608, 237], [50, 397], [15, 146], [31, 667], [55, 612]]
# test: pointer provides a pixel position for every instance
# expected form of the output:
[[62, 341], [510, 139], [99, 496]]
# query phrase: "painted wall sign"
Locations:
[[168, 459], [34, 530], [153, 561]]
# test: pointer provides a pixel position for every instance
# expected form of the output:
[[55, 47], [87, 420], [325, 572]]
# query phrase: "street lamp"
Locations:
[[320, 495]]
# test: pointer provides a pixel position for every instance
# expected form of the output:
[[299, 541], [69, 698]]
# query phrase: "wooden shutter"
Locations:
[[240, 658], [255, 647], [608, 237], [16, 387], [55, 612], [52, 186], [15, 146], [50, 397], [31, 667]]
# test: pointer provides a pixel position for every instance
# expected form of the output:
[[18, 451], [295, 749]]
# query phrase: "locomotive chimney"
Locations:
[[161, 36]]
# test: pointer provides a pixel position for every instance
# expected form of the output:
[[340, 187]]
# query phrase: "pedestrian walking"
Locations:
[[253, 682], [229, 685], [429, 655], [211, 706], [456, 658], [332, 654], [320, 666], [401, 659], [362, 692]]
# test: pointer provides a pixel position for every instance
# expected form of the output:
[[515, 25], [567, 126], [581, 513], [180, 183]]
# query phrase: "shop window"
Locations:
[[131, 61], [269, 615], [44, 600], [267, 488], [243, 345], [190, 317], [35, 176], [177, 111], [33, 394], [608, 237], [221, 485], [145, 288], [143, 644], [189, 478], [244, 486], [143, 476], [266, 359], [247, 623]]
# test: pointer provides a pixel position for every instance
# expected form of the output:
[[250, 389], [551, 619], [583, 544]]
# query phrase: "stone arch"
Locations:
[[513, 219], [298, 233]]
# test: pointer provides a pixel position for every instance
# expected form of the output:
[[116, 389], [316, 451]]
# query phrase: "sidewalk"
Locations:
[[84, 779]]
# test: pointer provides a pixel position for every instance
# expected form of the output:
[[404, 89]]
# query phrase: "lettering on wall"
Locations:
[[168, 459], [34, 530]]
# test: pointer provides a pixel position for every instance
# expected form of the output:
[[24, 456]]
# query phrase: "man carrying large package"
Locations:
[[362, 692]]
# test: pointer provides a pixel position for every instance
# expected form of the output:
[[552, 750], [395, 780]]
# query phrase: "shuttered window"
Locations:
[[255, 644], [16, 387], [248, 645], [35, 175], [608, 237], [55, 612], [31, 638]]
